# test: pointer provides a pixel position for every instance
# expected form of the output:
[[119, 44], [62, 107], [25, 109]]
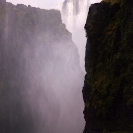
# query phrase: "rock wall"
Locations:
[[108, 91]]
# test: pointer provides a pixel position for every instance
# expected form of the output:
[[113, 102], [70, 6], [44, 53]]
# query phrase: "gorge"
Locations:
[[42, 68]]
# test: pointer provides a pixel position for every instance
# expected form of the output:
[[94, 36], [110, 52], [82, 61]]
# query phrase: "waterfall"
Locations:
[[71, 9], [74, 14]]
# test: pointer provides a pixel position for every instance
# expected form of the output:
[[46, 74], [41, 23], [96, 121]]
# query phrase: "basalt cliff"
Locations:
[[108, 86]]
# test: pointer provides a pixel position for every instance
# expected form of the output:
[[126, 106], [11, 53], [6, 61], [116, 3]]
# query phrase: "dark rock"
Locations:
[[108, 91]]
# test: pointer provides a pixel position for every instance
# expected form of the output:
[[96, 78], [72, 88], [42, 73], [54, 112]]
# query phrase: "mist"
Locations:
[[52, 94], [40, 74]]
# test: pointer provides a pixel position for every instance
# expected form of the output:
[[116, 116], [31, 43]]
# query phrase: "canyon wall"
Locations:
[[108, 86]]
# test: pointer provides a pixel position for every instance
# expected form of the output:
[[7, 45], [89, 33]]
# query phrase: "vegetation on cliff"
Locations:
[[108, 89]]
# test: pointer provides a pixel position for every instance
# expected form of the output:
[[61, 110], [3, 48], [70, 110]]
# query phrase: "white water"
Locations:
[[75, 23]]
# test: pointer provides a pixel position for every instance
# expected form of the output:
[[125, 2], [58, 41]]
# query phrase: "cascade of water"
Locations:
[[74, 13], [71, 9], [70, 12]]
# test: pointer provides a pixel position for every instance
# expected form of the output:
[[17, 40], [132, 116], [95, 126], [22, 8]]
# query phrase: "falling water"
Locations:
[[74, 14]]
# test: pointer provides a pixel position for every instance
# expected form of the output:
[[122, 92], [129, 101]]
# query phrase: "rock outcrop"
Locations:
[[108, 86]]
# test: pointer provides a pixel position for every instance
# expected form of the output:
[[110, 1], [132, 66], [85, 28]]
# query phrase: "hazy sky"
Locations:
[[37, 3], [46, 4]]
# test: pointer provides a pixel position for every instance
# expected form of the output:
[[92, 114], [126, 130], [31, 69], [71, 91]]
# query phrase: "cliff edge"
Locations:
[[108, 86]]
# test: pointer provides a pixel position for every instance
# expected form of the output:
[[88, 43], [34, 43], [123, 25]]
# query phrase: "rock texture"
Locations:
[[108, 86]]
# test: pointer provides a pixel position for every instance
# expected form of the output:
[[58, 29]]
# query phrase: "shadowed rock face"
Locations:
[[40, 76], [108, 91]]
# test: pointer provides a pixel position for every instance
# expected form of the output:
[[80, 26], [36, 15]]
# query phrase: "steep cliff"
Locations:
[[39, 68], [108, 86]]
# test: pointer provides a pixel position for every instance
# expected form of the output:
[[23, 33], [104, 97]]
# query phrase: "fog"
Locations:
[[55, 86], [41, 77]]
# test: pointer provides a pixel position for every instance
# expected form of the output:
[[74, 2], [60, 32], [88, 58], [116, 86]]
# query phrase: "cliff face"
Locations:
[[108, 86], [39, 68]]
